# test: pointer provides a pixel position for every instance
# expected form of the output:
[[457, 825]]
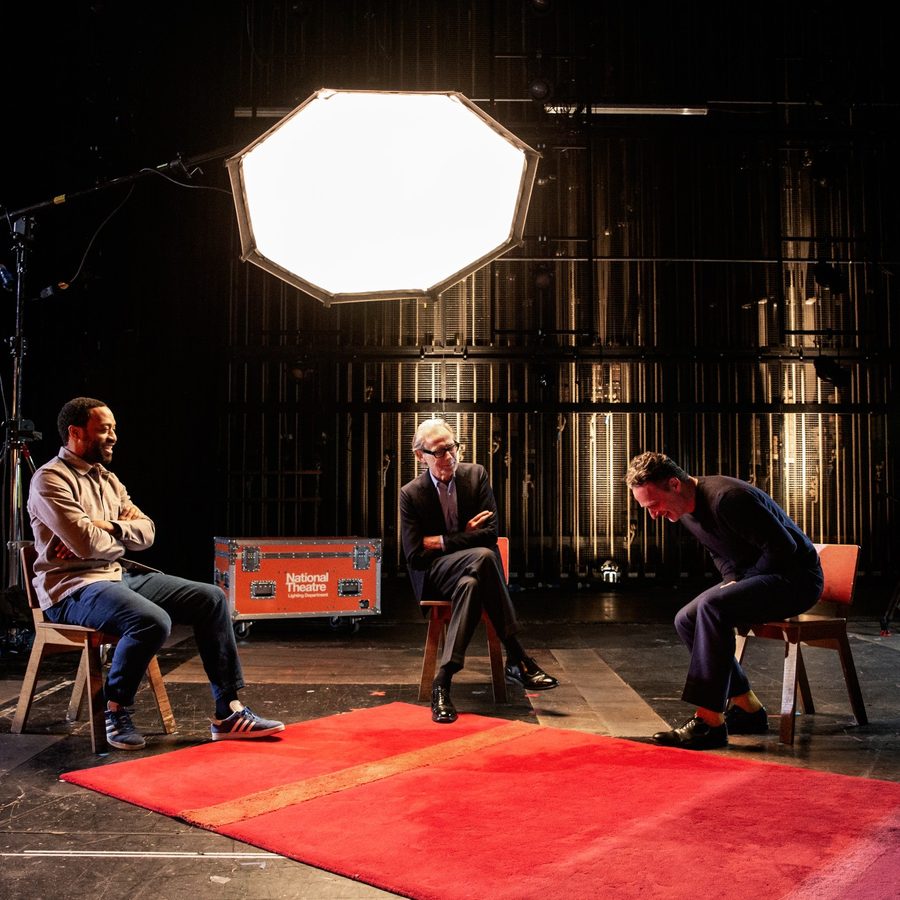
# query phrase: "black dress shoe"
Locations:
[[740, 721], [442, 709], [694, 735], [530, 675]]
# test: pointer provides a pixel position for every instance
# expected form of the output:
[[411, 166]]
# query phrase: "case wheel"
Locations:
[[344, 623], [242, 629]]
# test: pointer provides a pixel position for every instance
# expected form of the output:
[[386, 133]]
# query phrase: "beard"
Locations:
[[98, 453]]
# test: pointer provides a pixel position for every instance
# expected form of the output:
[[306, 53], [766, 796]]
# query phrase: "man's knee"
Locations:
[[684, 619], [212, 598], [118, 609], [153, 626], [164, 629], [482, 559], [711, 607], [466, 589], [687, 617]]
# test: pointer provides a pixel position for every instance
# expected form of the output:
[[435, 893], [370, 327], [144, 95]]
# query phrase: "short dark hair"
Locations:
[[75, 412], [654, 468]]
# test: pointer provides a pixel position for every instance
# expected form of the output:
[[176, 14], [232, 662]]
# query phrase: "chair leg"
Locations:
[[76, 701], [157, 685], [429, 658], [856, 699], [806, 700], [26, 693], [96, 703], [789, 693], [495, 653]]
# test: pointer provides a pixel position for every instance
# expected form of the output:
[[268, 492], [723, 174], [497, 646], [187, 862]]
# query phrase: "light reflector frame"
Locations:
[[368, 195]]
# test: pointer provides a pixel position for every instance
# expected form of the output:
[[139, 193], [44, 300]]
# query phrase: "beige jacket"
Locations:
[[65, 495]]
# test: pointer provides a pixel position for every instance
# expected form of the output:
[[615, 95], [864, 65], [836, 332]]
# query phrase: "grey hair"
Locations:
[[430, 425]]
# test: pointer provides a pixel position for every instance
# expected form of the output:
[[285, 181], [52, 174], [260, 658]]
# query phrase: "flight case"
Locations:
[[270, 578]]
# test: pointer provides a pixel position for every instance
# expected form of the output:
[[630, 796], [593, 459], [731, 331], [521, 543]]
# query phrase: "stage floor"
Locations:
[[615, 653]]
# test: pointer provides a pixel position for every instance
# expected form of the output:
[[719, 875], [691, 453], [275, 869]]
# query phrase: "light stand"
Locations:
[[19, 431]]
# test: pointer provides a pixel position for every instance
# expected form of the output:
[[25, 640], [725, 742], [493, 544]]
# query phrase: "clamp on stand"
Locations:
[[19, 431]]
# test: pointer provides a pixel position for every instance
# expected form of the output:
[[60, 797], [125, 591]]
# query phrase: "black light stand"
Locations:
[[19, 431]]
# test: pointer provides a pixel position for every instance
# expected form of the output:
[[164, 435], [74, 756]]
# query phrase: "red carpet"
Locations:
[[487, 809]]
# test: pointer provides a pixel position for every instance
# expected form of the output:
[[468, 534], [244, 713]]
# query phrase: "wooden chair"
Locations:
[[839, 563], [439, 616], [49, 639]]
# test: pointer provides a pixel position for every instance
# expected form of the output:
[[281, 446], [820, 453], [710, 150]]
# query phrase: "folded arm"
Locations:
[[54, 503]]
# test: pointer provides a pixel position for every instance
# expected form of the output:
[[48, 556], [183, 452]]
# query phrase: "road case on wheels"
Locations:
[[270, 578]]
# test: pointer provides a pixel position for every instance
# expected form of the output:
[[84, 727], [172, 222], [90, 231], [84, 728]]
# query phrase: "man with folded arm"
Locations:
[[83, 522], [448, 521]]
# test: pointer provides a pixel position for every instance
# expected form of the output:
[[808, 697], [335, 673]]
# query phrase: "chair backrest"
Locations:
[[503, 547], [839, 563], [27, 556]]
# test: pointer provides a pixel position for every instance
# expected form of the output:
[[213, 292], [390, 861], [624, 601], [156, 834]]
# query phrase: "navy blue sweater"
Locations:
[[746, 531]]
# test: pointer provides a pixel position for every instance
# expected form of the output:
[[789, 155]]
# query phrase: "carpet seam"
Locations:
[[272, 799]]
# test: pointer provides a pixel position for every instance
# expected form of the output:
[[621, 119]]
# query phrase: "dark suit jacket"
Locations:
[[421, 515]]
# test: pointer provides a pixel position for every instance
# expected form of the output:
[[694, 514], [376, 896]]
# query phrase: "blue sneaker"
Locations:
[[243, 723], [120, 731]]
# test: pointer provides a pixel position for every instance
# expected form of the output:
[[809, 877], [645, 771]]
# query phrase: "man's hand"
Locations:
[[434, 541], [126, 514], [726, 584], [477, 520], [63, 552]]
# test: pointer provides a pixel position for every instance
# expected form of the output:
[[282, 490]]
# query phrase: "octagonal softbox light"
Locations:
[[367, 195]]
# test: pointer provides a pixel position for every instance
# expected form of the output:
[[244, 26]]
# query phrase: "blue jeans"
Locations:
[[706, 627], [140, 609]]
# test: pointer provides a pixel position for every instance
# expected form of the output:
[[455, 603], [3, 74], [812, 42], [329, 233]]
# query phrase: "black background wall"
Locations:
[[679, 280]]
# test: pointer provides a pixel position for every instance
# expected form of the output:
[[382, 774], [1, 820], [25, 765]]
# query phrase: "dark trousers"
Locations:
[[473, 581], [140, 609], [706, 627]]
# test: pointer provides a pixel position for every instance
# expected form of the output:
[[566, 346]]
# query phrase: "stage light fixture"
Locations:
[[368, 195], [540, 89]]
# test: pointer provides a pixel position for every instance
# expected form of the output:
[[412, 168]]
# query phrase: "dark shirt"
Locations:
[[746, 532]]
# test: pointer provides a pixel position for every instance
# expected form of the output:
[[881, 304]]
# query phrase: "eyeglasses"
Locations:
[[441, 452]]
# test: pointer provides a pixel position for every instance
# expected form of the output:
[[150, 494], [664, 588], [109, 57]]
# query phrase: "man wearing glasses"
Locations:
[[448, 521]]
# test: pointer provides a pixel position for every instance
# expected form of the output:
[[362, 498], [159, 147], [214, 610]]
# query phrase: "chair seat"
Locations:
[[830, 632], [807, 624], [76, 631]]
